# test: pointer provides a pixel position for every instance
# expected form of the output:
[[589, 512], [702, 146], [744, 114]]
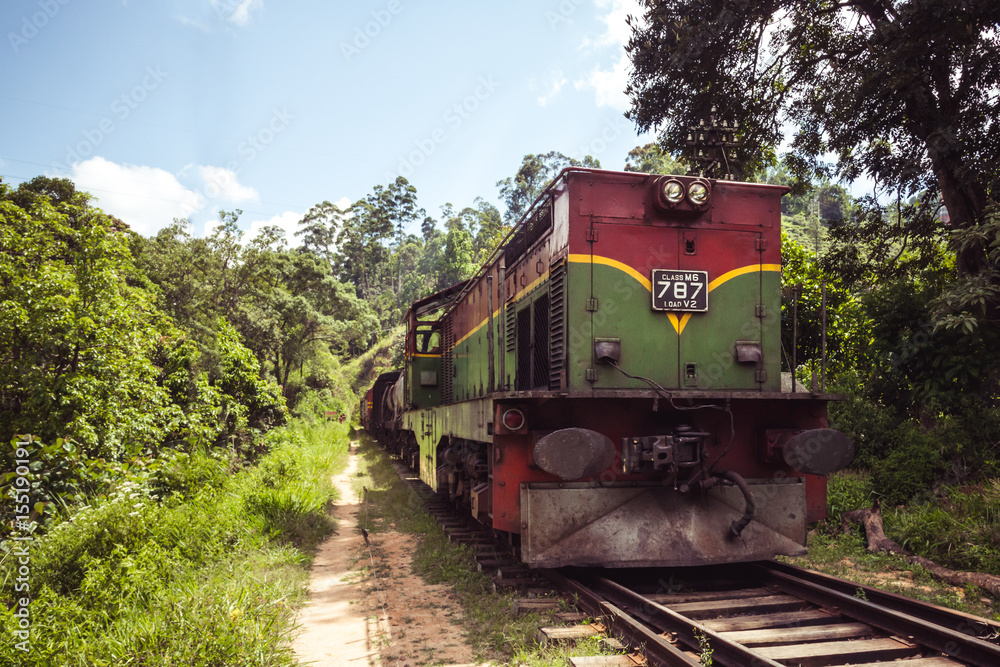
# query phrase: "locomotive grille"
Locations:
[[522, 377], [540, 344], [557, 324], [508, 332], [529, 231], [447, 366]]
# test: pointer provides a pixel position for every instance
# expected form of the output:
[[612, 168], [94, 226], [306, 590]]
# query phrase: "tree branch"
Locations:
[[871, 520]]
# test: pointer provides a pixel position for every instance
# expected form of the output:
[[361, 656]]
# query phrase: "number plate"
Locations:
[[685, 291]]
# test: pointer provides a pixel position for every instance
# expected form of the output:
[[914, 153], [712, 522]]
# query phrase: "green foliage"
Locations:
[[705, 648], [651, 159], [252, 402], [846, 491], [41, 481], [910, 465], [536, 171], [75, 336], [803, 279], [170, 567], [959, 527], [181, 475], [969, 305]]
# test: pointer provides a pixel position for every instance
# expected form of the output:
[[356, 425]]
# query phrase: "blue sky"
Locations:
[[180, 108]]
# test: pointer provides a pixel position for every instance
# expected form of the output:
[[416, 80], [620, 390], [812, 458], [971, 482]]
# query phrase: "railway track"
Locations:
[[773, 614], [750, 614]]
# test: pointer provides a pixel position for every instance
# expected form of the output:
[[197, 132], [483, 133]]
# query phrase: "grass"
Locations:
[[958, 528], [493, 632], [844, 556], [188, 565]]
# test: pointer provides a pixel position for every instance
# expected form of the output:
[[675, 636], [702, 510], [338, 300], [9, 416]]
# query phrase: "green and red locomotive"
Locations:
[[606, 390]]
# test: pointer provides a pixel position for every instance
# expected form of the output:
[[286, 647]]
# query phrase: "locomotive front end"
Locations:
[[655, 431]]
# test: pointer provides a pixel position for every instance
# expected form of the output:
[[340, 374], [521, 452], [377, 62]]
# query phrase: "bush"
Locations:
[[183, 474], [180, 563], [846, 491], [959, 528], [912, 466]]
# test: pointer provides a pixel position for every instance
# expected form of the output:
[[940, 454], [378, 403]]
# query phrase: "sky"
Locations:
[[166, 109]]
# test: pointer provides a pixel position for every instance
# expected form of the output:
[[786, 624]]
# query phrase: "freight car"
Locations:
[[606, 390]]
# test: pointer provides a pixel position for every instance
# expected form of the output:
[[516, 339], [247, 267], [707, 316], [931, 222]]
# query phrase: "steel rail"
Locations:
[[658, 651], [949, 618], [953, 643], [724, 651]]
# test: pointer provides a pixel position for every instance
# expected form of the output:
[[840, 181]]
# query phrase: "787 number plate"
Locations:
[[684, 291]]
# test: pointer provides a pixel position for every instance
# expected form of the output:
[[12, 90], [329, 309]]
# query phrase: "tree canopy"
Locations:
[[904, 92], [520, 190]]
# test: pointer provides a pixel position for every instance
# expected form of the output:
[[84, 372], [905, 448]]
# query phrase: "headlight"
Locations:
[[673, 191], [513, 420], [698, 193]]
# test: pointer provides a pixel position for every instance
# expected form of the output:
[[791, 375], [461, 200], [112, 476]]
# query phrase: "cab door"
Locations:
[[721, 348], [621, 306]]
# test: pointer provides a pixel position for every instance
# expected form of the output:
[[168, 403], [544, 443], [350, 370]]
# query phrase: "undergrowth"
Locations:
[[189, 563], [955, 526]]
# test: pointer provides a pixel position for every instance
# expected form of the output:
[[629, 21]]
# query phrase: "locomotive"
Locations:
[[606, 390]]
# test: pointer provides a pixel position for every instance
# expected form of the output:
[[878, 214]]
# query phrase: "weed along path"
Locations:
[[335, 626]]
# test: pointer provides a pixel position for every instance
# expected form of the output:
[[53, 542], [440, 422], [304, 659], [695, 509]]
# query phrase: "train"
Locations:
[[607, 390]]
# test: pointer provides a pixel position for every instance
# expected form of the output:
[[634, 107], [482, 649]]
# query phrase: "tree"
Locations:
[[519, 191], [308, 306], [903, 92], [318, 229], [374, 228], [76, 335], [457, 257], [651, 159], [486, 226]]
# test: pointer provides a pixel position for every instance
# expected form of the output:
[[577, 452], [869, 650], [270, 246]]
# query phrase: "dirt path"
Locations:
[[335, 625], [367, 608]]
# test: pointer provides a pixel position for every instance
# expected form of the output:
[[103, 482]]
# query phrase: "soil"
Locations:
[[366, 605]]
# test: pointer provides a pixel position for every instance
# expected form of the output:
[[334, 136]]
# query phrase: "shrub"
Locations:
[[848, 490], [184, 474], [912, 466]]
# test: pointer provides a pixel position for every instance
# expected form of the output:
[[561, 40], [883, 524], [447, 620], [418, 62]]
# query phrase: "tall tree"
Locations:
[[902, 91], [486, 226], [520, 190], [651, 159], [374, 228], [318, 229]]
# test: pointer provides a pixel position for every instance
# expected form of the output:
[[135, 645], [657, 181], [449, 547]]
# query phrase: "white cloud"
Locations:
[[236, 11], [191, 23], [554, 86], [221, 184], [618, 31], [287, 221], [145, 198], [609, 82], [149, 198]]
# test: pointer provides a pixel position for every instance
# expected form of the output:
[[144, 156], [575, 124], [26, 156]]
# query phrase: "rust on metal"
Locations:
[[583, 524]]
